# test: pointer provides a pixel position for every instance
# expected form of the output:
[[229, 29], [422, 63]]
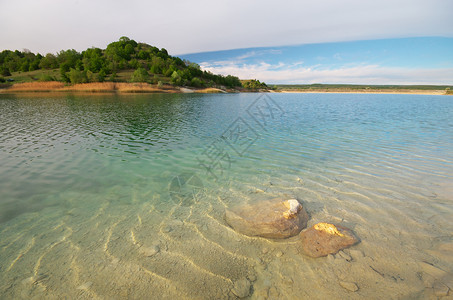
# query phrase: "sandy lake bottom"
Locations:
[[123, 197]]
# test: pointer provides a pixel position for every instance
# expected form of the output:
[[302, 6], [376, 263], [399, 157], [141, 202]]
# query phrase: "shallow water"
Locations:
[[116, 197]]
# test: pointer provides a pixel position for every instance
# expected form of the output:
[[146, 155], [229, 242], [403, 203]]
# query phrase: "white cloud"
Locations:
[[360, 74], [202, 25]]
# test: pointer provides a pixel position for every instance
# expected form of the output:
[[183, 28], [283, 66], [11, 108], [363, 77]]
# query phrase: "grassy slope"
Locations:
[[122, 76], [33, 75], [29, 82]]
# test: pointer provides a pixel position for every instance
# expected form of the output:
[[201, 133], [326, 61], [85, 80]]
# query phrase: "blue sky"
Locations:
[[424, 60]]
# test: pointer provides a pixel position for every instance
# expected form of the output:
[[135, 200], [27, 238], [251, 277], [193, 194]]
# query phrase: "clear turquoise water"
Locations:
[[91, 184]]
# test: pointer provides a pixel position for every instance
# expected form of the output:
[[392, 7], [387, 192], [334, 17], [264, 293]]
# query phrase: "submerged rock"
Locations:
[[85, 286], [149, 251], [276, 218], [440, 289], [241, 288], [345, 256], [350, 286], [437, 273], [324, 238]]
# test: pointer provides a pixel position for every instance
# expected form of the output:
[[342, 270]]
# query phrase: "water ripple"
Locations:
[[85, 182]]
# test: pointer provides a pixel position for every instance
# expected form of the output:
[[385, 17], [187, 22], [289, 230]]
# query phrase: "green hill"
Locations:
[[123, 60]]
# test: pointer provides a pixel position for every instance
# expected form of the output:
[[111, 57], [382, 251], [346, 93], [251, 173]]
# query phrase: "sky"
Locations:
[[200, 26], [427, 60]]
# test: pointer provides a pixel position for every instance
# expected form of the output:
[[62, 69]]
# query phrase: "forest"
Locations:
[[140, 61]]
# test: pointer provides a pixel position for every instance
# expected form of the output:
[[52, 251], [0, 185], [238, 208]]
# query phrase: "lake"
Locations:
[[124, 196]]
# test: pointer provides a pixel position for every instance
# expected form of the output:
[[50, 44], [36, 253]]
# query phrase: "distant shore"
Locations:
[[365, 89], [333, 91]]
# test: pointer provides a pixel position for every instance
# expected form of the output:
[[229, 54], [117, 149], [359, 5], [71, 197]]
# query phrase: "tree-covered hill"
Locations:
[[141, 62]]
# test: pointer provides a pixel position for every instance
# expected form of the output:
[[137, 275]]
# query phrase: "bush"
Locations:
[[91, 77], [46, 77], [155, 69], [64, 68], [77, 76], [176, 78], [101, 75], [5, 72], [196, 82], [2, 79], [140, 75], [134, 64], [155, 79], [168, 72], [113, 76]]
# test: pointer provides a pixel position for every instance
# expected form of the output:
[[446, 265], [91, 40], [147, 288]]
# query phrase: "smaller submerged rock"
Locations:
[[440, 289], [241, 288], [323, 238], [350, 286], [149, 251], [275, 218]]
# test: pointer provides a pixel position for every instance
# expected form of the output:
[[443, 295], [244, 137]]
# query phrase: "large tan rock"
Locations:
[[275, 218], [323, 238]]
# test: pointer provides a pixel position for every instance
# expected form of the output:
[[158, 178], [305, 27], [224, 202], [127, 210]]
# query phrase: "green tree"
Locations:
[[142, 54], [176, 78], [93, 59], [11, 60], [163, 53], [157, 65], [64, 69], [25, 66], [169, 72], [232, 81], [254, 84], [133, 63], [128, 51], [48, 62], [70, 57], [34, 64], [120, 52]]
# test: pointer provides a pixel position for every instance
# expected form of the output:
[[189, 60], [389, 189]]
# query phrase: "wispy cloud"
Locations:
[[359, 74], [257, 53]]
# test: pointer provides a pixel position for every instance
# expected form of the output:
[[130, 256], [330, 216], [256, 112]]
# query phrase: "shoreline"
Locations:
[[56, 87], [102, 88], [184, 90]]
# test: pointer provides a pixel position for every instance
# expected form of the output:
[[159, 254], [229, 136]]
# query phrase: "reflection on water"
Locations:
[[124, 196]]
